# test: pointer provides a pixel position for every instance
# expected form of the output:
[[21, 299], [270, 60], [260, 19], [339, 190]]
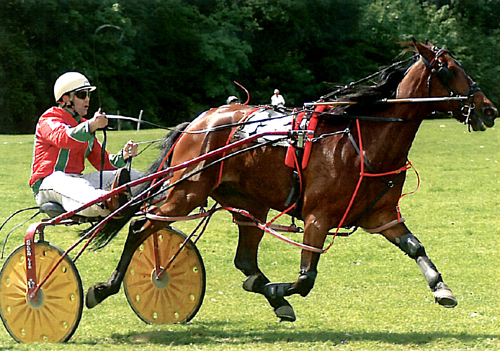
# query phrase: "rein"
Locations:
[[201, 131]]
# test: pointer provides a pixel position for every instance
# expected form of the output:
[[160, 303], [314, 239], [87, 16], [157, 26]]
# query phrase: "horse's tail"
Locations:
[[111, 228], [163, 160]]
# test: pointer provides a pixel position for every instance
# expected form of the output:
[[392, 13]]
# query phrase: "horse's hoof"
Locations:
[[90, 299], [285, 314], [444, 296]]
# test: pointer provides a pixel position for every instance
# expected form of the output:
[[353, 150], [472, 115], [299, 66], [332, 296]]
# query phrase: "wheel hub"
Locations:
[[38, 303], [159, 282]]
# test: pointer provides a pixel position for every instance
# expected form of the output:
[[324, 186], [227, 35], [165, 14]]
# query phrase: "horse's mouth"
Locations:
[[480, 121], [477, 124]]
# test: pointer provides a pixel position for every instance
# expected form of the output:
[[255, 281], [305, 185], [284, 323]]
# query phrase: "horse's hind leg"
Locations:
[[246, 261], [276, 292], [181, 201], [409, 244], [97, 293]]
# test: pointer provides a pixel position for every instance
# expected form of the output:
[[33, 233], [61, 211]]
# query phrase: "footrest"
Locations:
[[52, 209]]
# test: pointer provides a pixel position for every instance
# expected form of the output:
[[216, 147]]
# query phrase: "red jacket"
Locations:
[[62, 142]]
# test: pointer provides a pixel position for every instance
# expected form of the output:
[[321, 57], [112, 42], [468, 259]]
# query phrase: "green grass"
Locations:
[[368, 295]]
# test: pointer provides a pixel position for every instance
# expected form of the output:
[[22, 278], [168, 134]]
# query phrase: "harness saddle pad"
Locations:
[[267, 120]]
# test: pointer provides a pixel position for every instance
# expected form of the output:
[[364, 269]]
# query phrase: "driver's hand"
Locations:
[[130, 149], [99, 121]]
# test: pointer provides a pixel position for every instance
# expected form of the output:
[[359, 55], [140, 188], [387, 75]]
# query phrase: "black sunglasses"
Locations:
[[82, 94]]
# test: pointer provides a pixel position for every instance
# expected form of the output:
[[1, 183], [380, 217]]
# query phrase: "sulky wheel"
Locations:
[[56, 314], [177, 296]]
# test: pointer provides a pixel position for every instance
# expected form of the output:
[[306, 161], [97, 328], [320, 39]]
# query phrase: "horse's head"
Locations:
[[445, 77]]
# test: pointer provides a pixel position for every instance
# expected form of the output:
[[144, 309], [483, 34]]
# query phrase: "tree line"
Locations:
[[176, 58]]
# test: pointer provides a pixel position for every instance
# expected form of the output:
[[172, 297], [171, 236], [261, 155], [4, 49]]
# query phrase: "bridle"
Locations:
[[445, 76]]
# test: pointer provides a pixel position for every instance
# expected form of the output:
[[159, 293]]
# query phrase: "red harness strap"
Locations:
[[363, 174], [268, 229], [385, 226], [313, 122]]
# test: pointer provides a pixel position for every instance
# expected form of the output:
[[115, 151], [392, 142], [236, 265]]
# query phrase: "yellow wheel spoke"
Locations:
[[147, 296], [20, 274], [60, 309], [143, 267]]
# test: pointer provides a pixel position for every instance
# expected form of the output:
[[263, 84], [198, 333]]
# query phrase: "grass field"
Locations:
[[368, 294]]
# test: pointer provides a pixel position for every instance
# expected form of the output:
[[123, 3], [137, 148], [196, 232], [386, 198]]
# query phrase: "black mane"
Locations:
[[366, 97]]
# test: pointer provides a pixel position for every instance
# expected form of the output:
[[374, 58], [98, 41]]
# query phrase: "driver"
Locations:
[[63, 140]]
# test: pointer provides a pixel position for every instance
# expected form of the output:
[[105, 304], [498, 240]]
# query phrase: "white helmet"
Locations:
[[232, 99], [276, 91], [70, 82]]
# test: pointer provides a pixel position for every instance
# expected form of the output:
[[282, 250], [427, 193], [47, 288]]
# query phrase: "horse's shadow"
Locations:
[[212, 333]]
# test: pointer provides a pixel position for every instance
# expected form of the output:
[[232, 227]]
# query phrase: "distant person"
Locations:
[[277, 99], [63, 140], [232, 100]]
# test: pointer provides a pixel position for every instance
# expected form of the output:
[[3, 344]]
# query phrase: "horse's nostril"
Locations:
[[490, 112]]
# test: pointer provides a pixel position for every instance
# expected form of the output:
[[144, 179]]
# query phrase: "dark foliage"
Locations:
[[175, 58]]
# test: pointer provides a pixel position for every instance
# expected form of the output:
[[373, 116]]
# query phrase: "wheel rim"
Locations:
[[178, 295], [57, 313]]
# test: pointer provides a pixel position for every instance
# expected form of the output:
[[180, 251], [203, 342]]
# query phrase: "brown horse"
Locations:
[[258, 180]]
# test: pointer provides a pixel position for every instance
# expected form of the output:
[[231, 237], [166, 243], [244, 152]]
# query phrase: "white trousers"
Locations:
[[72, 191]]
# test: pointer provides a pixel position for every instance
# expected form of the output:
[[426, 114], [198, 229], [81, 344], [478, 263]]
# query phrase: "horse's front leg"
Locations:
[[409, 244]]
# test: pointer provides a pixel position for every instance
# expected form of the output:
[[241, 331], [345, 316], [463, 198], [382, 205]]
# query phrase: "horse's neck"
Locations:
[[388, 144]]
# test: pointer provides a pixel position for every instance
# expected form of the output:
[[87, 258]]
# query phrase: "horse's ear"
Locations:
[[416, 44], [423, 49]]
